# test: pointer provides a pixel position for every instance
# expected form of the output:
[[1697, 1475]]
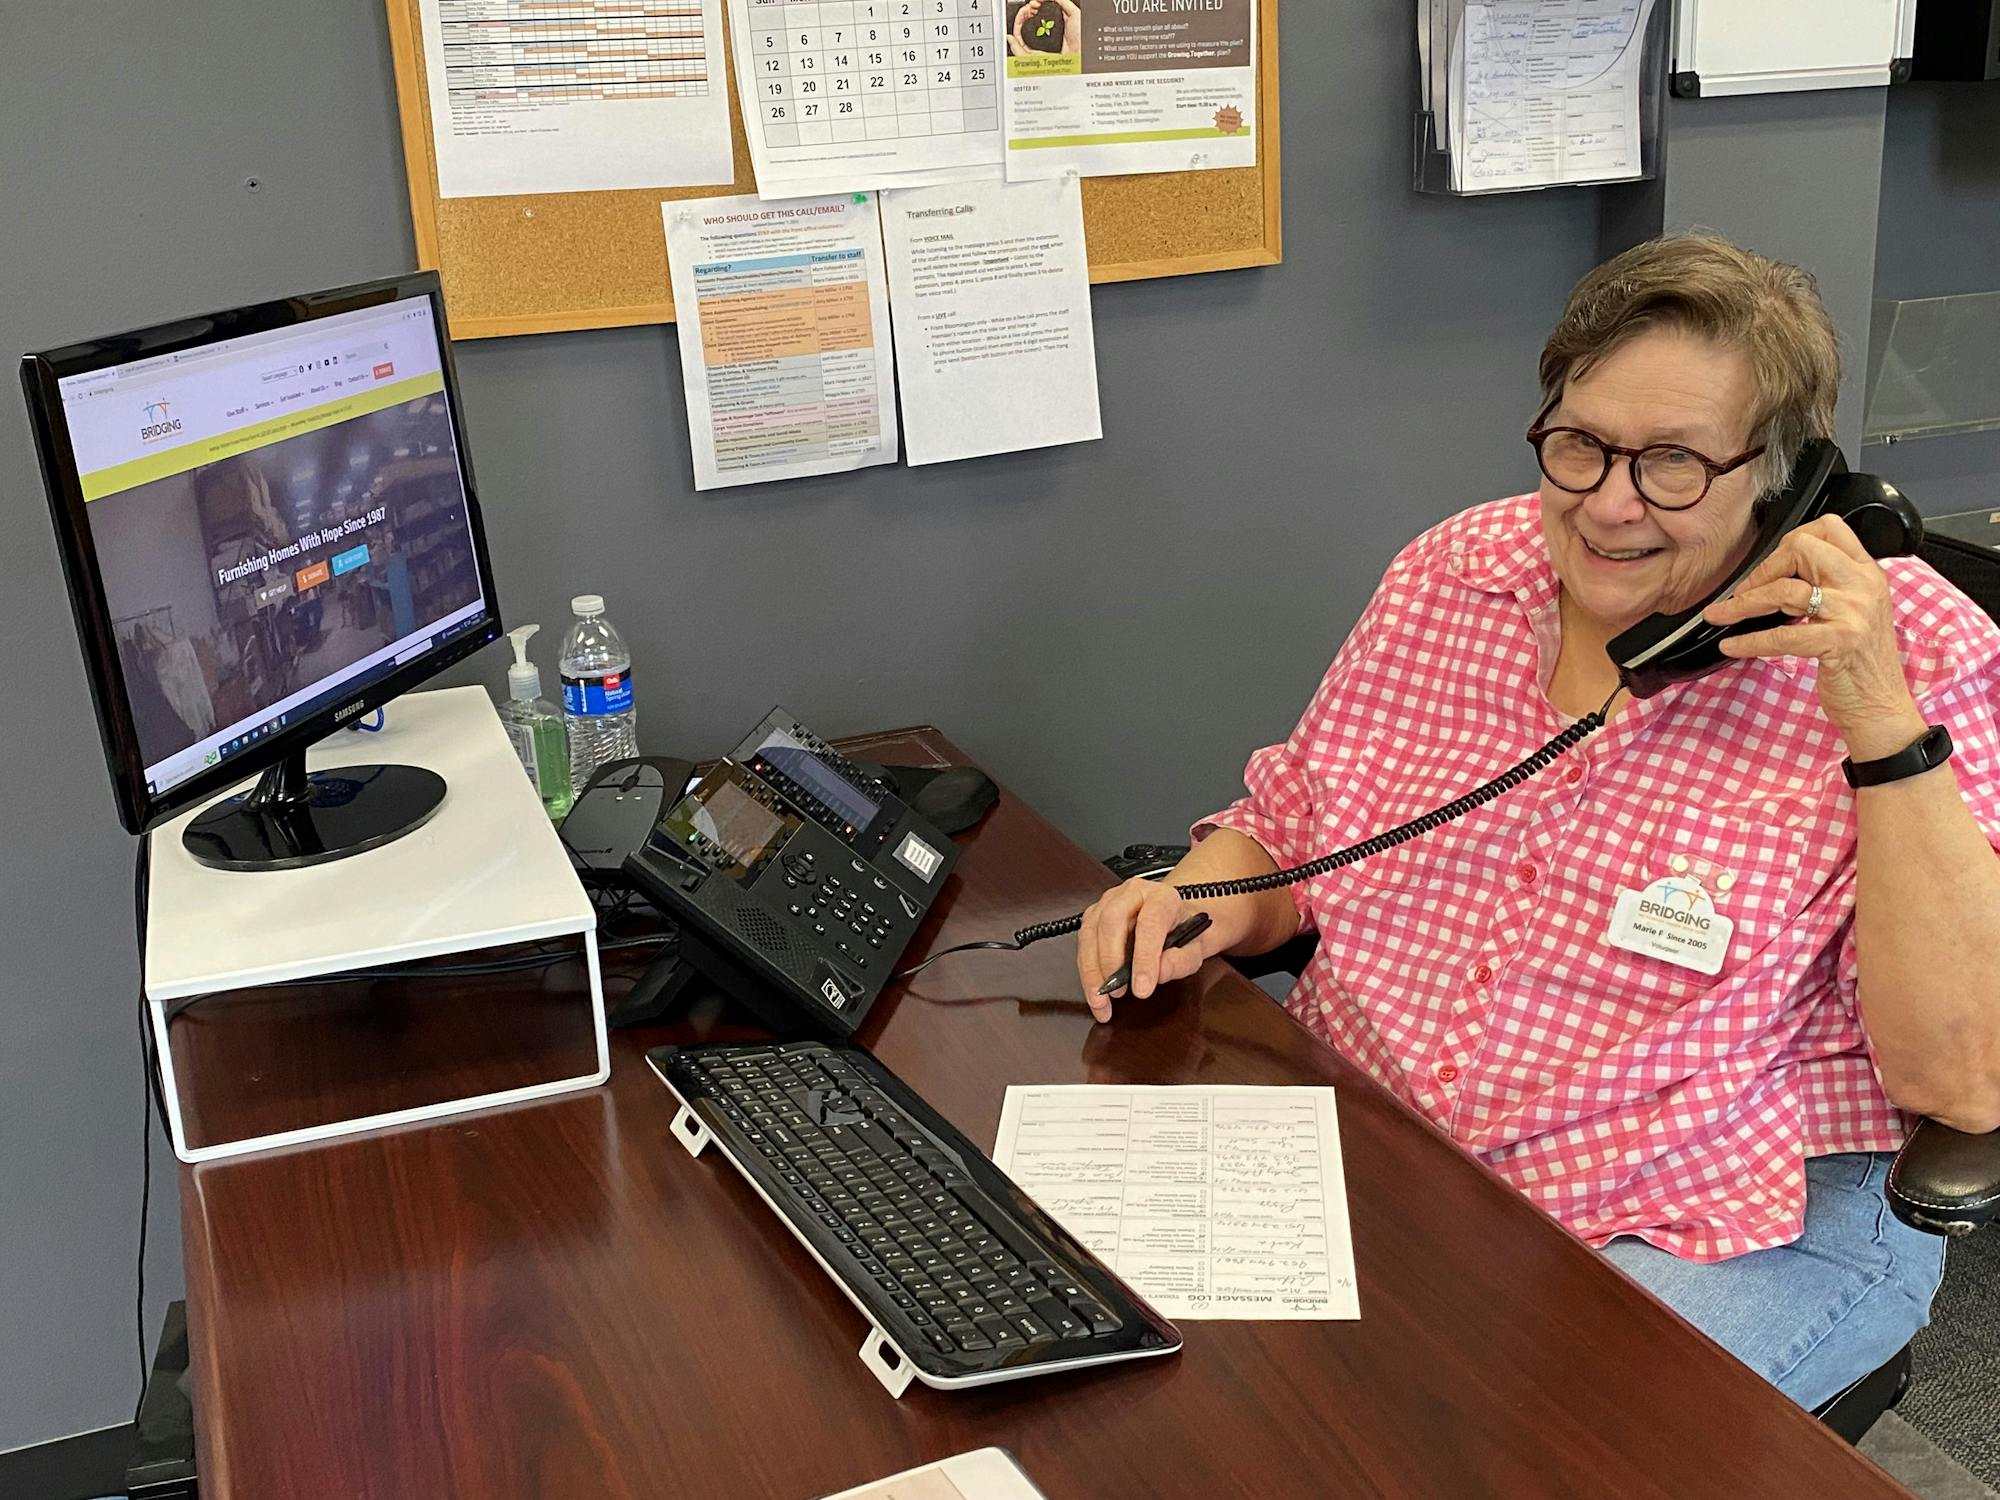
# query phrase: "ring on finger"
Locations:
[[1814, 601]]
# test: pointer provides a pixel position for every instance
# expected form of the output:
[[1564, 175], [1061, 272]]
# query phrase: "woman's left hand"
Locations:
[[1852, 635]]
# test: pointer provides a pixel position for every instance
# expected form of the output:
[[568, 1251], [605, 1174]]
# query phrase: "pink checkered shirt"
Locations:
[[1468, 970]]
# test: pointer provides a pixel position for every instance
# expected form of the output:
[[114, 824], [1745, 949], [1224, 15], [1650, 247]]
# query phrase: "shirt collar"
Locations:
[[1515, 561]]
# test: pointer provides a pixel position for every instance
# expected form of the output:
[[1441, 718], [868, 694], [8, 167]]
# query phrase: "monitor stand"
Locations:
[[293, 817]]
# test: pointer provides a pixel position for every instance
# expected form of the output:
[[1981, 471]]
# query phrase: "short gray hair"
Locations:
[[1704, 284]]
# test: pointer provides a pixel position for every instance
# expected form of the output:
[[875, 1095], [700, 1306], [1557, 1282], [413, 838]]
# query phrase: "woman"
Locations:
[[1717, 1116]]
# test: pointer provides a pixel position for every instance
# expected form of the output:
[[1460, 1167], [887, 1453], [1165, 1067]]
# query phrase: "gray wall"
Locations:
[[1940, 234], [126, 133], [1109, 628], [1790, 175]]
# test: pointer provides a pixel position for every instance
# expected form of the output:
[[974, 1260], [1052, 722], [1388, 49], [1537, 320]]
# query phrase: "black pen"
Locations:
[[1183, 933]]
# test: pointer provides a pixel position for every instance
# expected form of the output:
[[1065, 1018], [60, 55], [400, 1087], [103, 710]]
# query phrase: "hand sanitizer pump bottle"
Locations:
[[536, 727]]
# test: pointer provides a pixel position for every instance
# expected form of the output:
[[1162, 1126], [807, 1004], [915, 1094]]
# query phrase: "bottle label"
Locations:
[[584, 697], [523, 736]]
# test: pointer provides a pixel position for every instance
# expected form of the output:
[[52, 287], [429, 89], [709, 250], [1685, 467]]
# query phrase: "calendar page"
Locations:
[[846, 95]]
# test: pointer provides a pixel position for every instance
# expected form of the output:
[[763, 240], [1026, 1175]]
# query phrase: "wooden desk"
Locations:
[[557, 1301]]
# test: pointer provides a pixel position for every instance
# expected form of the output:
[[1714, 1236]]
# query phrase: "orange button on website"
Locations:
[[309, 577]]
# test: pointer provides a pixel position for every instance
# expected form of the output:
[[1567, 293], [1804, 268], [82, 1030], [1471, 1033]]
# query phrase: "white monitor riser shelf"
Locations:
[[487, 870]]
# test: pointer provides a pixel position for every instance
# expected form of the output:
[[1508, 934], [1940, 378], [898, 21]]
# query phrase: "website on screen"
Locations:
[[279, 520]]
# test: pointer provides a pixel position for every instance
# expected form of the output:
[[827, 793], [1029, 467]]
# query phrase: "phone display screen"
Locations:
[[721, 815], [790, 758]]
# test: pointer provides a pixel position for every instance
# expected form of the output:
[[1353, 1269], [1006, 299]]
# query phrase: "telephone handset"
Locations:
[[1665, 649], [1658, 651]]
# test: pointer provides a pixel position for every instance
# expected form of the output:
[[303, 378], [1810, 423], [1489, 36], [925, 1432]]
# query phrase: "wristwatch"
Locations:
[[1932, 749]]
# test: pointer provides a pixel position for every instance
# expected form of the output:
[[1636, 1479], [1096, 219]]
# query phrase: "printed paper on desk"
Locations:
[[587, 96], [1213, 1202], [984, 1474], [990, 293], [784, 335]]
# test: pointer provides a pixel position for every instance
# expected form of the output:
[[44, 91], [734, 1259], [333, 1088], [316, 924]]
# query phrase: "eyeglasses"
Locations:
[[1668, 476]]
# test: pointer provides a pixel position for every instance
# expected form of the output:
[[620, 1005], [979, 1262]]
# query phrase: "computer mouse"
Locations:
[[955, 798]]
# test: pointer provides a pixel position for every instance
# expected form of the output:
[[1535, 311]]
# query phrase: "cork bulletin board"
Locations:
[[548, 262]]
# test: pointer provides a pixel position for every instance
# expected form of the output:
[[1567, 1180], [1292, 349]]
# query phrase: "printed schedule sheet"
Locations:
[[1213, 1202], [571, 96]]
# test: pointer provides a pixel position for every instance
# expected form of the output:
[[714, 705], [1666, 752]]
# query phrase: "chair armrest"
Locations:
[[1287, 958], [1945, 1181], [1150, 860]]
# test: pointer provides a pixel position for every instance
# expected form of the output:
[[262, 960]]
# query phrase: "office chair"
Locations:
[[1943, 1180]]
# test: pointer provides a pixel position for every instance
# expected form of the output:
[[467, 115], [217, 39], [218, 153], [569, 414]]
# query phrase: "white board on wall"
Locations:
[[1769, 46]]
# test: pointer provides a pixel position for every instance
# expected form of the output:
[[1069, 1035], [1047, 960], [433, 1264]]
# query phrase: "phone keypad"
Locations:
[[846, 906]]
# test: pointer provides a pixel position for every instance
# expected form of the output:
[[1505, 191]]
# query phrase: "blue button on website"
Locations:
[[348, 561]]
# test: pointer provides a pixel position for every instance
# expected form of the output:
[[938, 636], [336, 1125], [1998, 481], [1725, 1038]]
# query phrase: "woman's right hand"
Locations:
[[1132, 921]]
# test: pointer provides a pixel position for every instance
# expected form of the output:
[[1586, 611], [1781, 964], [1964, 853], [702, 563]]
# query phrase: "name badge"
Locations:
[[1674, 919]]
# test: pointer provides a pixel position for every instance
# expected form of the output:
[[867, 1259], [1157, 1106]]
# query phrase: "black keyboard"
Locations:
[[965, 1280]]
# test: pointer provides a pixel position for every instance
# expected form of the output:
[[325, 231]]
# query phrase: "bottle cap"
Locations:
[[588, 604], [524, 678]]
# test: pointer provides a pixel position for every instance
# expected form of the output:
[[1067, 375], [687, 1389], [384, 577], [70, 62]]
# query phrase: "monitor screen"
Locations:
[[279, 520]]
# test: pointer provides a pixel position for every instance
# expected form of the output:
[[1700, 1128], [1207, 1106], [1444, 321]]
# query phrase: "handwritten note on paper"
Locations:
[[1547, 92], [1217, 1202]]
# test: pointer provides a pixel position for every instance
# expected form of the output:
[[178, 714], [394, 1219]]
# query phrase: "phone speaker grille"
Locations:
[[763, 929]]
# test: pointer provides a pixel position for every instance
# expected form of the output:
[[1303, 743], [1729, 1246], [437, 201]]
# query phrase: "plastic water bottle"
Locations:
[[596, 692]]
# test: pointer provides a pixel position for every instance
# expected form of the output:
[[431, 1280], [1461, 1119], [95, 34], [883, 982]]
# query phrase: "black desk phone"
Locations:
[[797, 879]]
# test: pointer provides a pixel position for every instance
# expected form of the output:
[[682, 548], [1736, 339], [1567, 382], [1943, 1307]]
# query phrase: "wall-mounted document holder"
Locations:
[[1520, 94], [1931, 368]]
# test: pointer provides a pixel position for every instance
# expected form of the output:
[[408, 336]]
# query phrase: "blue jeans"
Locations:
[[1814, 1316]]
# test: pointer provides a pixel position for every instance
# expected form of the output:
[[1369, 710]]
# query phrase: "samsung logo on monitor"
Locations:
[[347, 710]]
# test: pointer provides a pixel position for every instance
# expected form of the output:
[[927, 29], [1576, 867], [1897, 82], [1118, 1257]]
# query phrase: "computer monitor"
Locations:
[[268, 525]]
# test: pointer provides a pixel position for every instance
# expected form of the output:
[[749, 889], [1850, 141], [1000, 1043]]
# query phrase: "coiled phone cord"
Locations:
[[1252, 885]]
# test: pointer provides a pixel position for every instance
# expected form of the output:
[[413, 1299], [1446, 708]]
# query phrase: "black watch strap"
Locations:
[[1932, 749]]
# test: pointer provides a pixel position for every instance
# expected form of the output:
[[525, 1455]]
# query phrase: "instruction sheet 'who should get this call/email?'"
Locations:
[[784, 336]]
